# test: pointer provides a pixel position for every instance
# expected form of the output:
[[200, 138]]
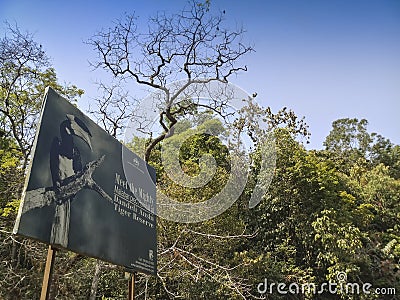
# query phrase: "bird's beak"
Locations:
[[80, 131]]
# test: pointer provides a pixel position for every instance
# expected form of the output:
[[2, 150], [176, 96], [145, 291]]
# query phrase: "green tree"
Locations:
[[376, 212], [11, 179], [25, 73], [320, 218], [303, 187], [195, 260], [350, 142], [209, 260]]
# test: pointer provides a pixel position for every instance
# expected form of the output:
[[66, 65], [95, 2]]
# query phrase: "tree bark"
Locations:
[[95, 280]]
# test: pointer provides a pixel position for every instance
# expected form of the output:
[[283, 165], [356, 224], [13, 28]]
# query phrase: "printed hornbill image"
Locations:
[[65, 161]]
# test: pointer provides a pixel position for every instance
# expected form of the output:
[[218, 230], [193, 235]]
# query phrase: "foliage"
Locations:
[[25, 73], [350, 142]]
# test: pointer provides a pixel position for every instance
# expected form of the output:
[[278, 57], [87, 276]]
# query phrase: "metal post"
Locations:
[[131, 291], [51, 254]]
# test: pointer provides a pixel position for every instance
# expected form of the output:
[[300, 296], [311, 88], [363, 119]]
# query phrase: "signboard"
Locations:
[[77, 194]]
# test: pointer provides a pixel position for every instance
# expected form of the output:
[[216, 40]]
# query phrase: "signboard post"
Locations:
[[88, 193], [131, 287], [51, 255]]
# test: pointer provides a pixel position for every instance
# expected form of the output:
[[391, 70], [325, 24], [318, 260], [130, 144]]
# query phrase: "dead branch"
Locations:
[[239, 236]]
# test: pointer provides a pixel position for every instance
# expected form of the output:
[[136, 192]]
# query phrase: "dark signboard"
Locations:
[[80, 194]]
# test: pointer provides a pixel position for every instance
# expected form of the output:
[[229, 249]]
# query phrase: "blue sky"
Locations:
[[324, 59]]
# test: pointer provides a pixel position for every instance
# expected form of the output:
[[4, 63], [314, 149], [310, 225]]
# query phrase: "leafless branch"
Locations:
[[112, 108], [191, 46], [239, 236]]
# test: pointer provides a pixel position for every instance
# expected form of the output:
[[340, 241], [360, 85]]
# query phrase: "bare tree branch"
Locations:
[[112, 108], [192, 46]]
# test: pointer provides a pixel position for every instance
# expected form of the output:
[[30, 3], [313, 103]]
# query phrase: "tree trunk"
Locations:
[[95, 280]]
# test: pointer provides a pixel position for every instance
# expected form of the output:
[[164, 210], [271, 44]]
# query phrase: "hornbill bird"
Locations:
[[65, 161]]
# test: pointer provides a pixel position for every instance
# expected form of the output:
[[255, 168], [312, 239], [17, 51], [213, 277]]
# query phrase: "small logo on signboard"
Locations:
[[135, 163]]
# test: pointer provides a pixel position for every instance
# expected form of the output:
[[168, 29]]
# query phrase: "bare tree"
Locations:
[[112, 108], [191, 46]]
